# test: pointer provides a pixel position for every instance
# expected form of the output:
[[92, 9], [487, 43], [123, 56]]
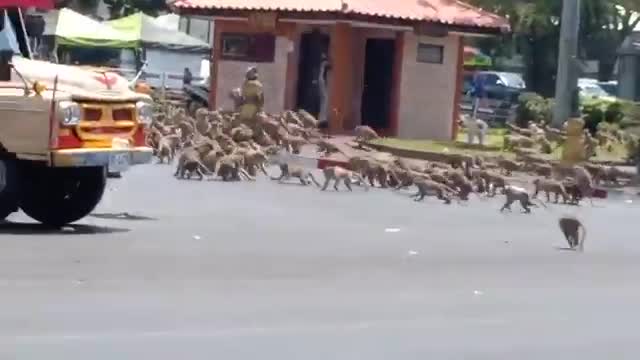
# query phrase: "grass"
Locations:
[[493, 144], [492, 147]]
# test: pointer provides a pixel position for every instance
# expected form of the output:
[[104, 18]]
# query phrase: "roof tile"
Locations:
[[450, 12]]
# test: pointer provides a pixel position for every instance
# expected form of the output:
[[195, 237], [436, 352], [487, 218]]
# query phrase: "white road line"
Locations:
[[236, 332]]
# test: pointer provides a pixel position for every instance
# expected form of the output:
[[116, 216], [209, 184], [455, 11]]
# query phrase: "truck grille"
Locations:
[[101, 122]]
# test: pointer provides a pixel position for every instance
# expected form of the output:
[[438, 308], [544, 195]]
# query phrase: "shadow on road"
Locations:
[[19, 228], [121, 216], [562, 248]]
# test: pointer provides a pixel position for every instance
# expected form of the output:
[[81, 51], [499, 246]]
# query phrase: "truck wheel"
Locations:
[[8, 188], [59, 196]]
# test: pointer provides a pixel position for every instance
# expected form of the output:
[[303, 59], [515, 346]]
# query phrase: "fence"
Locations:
[[159, 79], [495, 112]]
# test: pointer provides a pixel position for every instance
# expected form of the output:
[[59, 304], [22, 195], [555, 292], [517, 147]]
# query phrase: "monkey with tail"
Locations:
[[574, 232]]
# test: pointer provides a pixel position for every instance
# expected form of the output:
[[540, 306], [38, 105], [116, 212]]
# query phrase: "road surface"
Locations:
[[212, 270]]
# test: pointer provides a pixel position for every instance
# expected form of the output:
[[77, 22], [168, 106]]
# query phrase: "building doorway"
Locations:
[[312, 46], [375, 110]]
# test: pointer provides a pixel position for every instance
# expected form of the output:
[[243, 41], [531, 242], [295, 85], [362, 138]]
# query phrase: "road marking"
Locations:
[[417, 324]]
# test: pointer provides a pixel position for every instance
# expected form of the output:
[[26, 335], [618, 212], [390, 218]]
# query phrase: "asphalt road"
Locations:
[[213, 270]]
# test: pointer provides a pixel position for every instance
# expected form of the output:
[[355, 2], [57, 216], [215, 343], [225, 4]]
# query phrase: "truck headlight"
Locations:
[[145, 112], [69, 113]]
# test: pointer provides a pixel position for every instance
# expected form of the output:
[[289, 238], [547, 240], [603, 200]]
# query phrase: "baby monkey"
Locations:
[[574, 232]]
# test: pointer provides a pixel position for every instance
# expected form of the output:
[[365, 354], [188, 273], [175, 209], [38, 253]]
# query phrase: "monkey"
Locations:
[[255, 160], [545, 145], [513, 194], [376, 170], [202, 123], [326, 147], [584, 182], [241, 133], [338, 174], [459, 160], [425, 187], [189, 163], [613, 174], [288, 171], [365, 133], [292, 143], [492, 181], [167, 147], [524, 153], [550, 186], [290, 117], [524, 132], [571, 227], [307, 119], [231, 171], [573, 191], [359, 164], [508, 166], [555, 135]]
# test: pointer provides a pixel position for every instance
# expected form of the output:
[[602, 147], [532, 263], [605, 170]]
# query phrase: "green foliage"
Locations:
[[593, 114], [533, 107], [596, 112], [604, 24], [121, 8]]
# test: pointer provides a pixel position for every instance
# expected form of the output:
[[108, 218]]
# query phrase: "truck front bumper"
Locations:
[[101, 157]]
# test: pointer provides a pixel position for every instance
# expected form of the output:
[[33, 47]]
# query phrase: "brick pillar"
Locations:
[[457, 97], [213, 63], [340, 86], [397, 84]]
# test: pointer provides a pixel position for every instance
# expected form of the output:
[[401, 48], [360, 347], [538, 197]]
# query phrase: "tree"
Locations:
[[536, 23], [536, 29], [604, 26], [120, 8]]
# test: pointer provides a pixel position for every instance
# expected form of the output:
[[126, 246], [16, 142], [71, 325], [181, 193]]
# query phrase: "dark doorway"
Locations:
[[378, 83], [312, 46]]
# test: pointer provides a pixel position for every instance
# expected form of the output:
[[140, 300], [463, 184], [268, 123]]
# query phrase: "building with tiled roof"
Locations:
[[394, 65]]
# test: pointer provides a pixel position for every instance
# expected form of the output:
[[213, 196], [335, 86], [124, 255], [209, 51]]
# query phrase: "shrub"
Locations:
[[533, 107]]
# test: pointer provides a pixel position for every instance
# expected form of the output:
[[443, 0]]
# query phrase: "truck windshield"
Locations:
[[8, 39]]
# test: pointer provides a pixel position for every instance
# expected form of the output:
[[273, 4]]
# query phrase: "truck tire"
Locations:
[[59, 196], [8, 188]]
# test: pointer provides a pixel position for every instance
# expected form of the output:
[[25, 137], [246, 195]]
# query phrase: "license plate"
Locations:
[[118, 162]]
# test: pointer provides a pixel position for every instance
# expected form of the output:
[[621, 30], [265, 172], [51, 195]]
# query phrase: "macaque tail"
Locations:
[[539, 202]]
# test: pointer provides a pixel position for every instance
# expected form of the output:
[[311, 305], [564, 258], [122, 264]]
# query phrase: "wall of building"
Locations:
[[428, 91], [230, 75]]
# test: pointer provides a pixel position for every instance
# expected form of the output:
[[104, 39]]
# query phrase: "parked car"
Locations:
[[502, 92], [591, 89], [611, 87]]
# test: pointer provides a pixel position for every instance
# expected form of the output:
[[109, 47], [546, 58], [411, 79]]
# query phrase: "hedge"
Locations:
[[533, 107]]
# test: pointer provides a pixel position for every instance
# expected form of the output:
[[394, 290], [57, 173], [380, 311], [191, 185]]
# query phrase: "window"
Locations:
[[248, 47], [432, 54]]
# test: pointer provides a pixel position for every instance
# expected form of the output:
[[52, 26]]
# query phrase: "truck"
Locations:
[[62, 129]]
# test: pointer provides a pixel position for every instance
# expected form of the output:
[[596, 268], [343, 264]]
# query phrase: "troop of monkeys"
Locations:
[[546, 140], [234, 148], [220, 143]]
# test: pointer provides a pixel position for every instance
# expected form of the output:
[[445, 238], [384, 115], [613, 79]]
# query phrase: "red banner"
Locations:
[[40, 4]]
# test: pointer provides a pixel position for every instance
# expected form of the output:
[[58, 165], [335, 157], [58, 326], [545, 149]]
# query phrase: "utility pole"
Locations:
[[567, 76]]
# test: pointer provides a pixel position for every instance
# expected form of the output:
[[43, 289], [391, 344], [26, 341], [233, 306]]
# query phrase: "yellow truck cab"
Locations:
[[62, 128]]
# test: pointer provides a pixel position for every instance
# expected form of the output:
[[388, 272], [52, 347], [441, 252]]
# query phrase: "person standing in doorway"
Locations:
[[323, 85]]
